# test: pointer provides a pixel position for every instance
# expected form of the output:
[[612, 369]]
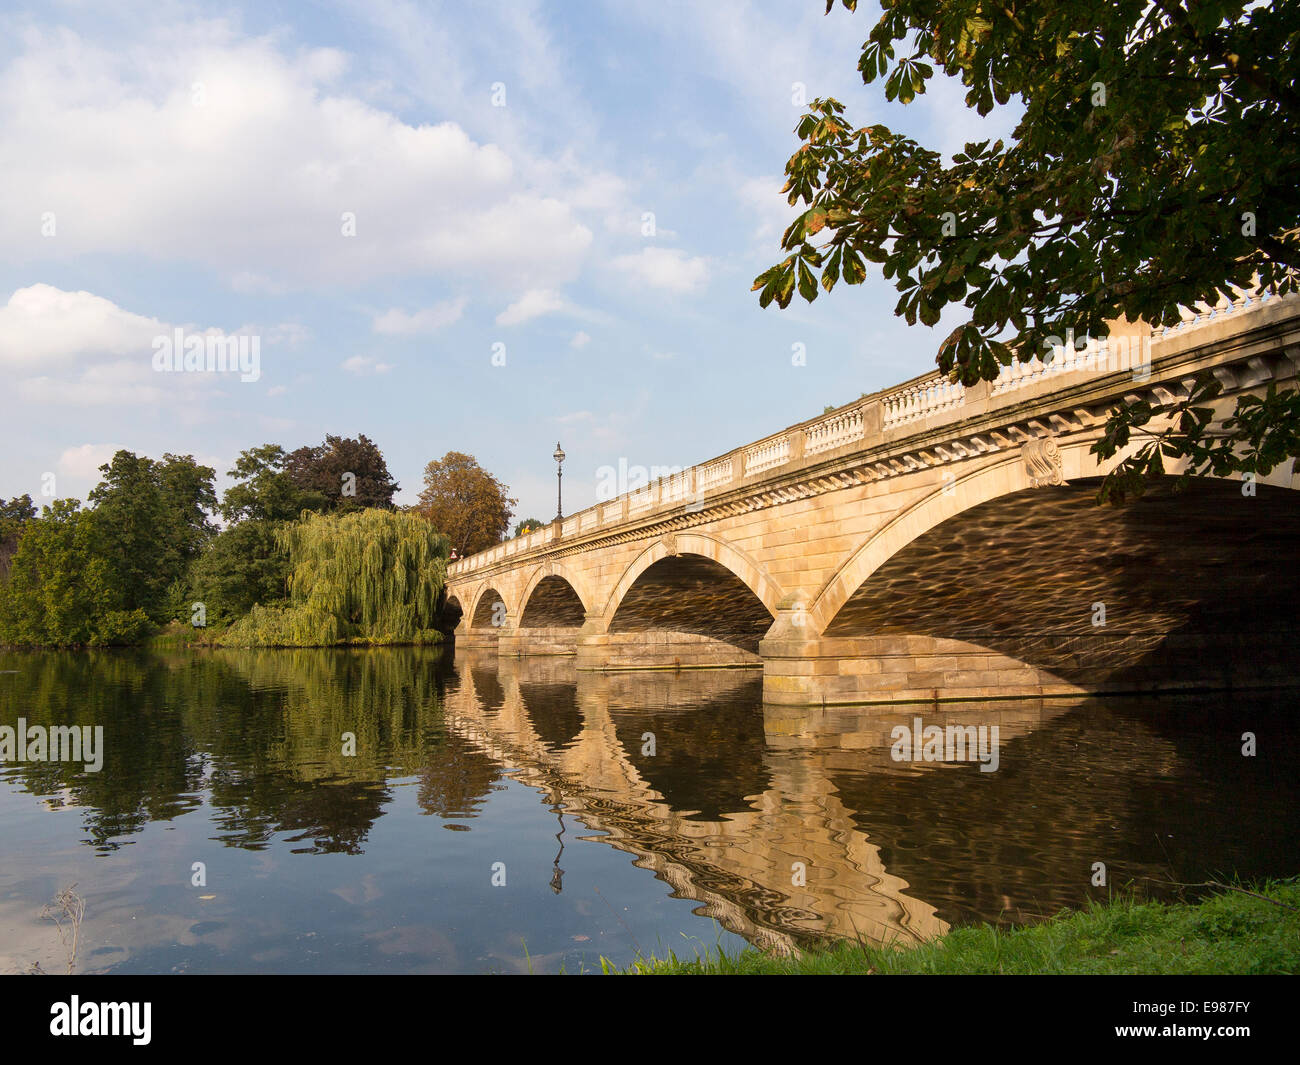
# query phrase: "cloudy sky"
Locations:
[[389, 194]]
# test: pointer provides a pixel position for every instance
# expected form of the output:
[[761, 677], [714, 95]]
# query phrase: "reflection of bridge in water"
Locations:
[[733, 840]]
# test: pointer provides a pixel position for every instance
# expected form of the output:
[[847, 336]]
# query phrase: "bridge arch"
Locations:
[[454, 606], [731, 558], [927, 514], [558, 570], [480, 617]]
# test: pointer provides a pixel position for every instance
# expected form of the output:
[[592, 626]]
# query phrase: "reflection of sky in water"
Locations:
[[320, 863]]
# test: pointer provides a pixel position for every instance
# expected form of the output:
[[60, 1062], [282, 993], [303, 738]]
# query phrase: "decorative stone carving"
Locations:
[[670, 545], [1043, 462]]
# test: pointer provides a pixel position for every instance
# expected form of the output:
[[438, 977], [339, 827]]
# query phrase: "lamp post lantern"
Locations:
[[559, 473]]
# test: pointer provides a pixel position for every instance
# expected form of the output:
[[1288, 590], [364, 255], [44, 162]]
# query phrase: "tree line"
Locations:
[[305, 548]]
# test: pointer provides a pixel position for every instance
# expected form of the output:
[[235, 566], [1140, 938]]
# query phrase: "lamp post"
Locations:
[[559, 473]]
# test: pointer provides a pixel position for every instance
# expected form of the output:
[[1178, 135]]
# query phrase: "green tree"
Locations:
[[244, 566], [372, 576], [154, 517], [1156, 164], [264, 489], [349, 474], [466, 502], [527, 526], [14, 516], [63, 589]]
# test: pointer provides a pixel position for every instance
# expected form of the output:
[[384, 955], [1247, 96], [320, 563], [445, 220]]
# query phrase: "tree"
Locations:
[[465, 502], [265, 491], [154, 517], [372, 576], [63, 589], [1156, 165], [349, 474], [527, 526], [244, 566], [14, 516]]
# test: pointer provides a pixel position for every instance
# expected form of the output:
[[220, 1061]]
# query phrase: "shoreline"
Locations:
[[1239, 930]]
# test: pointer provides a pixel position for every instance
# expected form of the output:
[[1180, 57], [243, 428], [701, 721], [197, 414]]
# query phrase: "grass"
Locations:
[[1238, 931]]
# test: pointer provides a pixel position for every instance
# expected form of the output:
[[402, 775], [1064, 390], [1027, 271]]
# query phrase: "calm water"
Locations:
[[625, 812]]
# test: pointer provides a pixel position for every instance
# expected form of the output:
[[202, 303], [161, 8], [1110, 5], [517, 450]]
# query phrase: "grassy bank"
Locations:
[[1254, 930]]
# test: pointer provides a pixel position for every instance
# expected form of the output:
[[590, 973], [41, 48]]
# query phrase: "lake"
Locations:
[[413, 810]]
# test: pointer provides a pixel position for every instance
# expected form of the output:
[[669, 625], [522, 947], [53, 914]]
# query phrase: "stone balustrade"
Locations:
[[842, 427], [924, 398]]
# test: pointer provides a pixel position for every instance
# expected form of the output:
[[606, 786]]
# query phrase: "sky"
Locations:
[[483, 228]]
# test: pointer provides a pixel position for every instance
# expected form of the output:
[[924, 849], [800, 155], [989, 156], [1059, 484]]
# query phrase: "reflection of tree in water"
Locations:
[[151, 768], [285, 768], [335, 817], [263, 730]]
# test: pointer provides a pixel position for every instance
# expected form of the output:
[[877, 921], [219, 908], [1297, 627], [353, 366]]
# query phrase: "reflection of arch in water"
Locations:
[[739, 866], [553, 710]]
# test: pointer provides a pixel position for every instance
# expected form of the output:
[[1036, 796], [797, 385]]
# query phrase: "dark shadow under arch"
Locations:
[[692, 594], [553, 604], [487, 608]]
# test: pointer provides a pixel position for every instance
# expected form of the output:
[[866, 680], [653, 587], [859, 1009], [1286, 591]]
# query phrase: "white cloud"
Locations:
[[255, 178], [43, 326], [78, 349], [428, 320], [363, 365], [773, 214], [580, 340], [666, 268], [533, 304], [83, 461]]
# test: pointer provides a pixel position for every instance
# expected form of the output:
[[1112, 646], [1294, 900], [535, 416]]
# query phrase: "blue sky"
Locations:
[[168, 165]]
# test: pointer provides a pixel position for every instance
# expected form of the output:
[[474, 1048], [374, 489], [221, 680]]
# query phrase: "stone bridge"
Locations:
[[934, 542]]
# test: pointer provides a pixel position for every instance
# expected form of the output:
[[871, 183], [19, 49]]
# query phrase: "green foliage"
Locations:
[[122, 628], [527, 526], [1154, 166], [265, 491], [62, 583], [14, 516], [83, 577], [245, 565], [154, 517], [369, 577]]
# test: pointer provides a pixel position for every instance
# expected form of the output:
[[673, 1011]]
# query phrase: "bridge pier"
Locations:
[[895, 669], [601, 650], [471, 638], [546, 641], [927, 669]]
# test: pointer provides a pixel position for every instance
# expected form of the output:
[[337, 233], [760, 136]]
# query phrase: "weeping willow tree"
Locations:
[[368, 577]]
